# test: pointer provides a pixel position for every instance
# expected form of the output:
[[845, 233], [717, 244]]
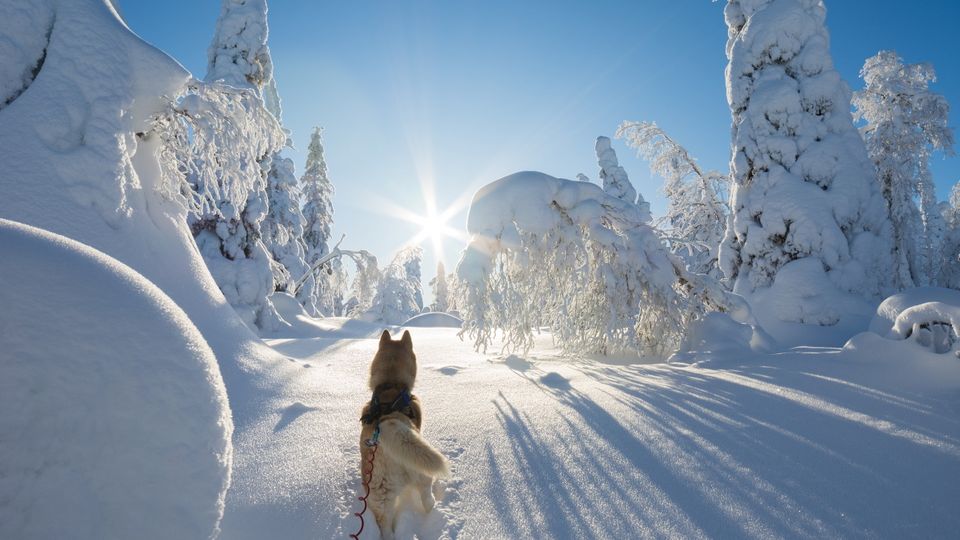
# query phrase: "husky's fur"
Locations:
[[403, 458]]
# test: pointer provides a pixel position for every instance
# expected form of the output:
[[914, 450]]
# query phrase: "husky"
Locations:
[[390, 433]]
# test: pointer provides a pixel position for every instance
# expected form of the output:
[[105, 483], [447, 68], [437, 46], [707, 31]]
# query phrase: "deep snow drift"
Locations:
[[115, 420]]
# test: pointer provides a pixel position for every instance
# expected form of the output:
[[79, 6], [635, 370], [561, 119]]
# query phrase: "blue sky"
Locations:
[[458, 94]]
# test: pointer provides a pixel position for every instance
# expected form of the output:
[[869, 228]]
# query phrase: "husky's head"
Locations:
[[394, 363]]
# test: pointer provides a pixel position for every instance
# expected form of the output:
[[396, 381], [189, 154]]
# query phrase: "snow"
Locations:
[[319, 292], [399, 291], [74, 166], [929, 316], [903, 123], [815, 442], [23, 52], [612, 176], [696, 211], [891, 308], [433, 320], [115, 418]]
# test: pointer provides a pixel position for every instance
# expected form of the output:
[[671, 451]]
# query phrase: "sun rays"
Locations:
[[433, 222]]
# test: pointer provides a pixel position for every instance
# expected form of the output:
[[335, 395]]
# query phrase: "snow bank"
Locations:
[[79, 160], [114, 420], [718, 333], [433, 320]]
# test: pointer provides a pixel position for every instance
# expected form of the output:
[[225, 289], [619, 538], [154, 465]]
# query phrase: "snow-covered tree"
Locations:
[[411, 258], [230, 238], [949, 274], [441, 291], [807, 211], [399, 295], [563, 254], [283, 226], [366, 283], [904, 123], [934, 228], [613, 177], [336, 284], [697, 209], [211, 135], [238, 54], [316, 294]]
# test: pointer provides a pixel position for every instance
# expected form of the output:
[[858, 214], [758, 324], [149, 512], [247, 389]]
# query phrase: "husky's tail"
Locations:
[[407, 446]]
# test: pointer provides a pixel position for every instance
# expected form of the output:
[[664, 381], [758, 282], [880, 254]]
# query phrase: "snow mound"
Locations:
[[718, 333], [114, 421], [929, 316], [434, 319], [804, 307], [891, 308], [933, 325]]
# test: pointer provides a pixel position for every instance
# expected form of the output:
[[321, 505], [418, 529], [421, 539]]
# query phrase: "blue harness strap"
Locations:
[[378, 409]]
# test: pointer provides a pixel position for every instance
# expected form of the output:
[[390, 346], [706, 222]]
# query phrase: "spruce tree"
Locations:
[[807, 211]]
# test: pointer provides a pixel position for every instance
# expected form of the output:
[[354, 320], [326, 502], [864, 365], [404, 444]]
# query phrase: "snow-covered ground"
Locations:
[[862, 441]]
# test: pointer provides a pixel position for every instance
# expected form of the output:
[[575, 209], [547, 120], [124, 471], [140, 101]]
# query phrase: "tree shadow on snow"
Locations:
[[753, 452]]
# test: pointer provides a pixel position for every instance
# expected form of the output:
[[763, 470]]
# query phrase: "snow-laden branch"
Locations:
[[335, 253], [932, 324], [564, 255], [697, 209], [213, 137]]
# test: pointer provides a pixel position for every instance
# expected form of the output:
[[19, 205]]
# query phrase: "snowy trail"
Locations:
[[812, 443]]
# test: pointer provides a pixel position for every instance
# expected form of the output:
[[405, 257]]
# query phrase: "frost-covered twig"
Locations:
[[212, 138], [697, 209]]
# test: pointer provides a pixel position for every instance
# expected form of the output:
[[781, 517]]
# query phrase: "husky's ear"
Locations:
[[384, 338], [407, 340]]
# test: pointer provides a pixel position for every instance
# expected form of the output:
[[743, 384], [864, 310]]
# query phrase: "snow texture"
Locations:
[[858, 442], [24, 35], [891, 308], [283, 227], [612, 176], [238, 54], [804, 189], [114, 422]]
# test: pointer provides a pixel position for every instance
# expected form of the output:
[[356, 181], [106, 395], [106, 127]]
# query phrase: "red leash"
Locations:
[[366, 493]]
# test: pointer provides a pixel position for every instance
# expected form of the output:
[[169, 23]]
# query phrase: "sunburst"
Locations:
[[434, 224]]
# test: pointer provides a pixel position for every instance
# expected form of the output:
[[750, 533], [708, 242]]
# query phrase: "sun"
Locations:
[[434, 224]]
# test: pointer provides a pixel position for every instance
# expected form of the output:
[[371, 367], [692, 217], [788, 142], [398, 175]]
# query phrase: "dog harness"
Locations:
[[379, 409]]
